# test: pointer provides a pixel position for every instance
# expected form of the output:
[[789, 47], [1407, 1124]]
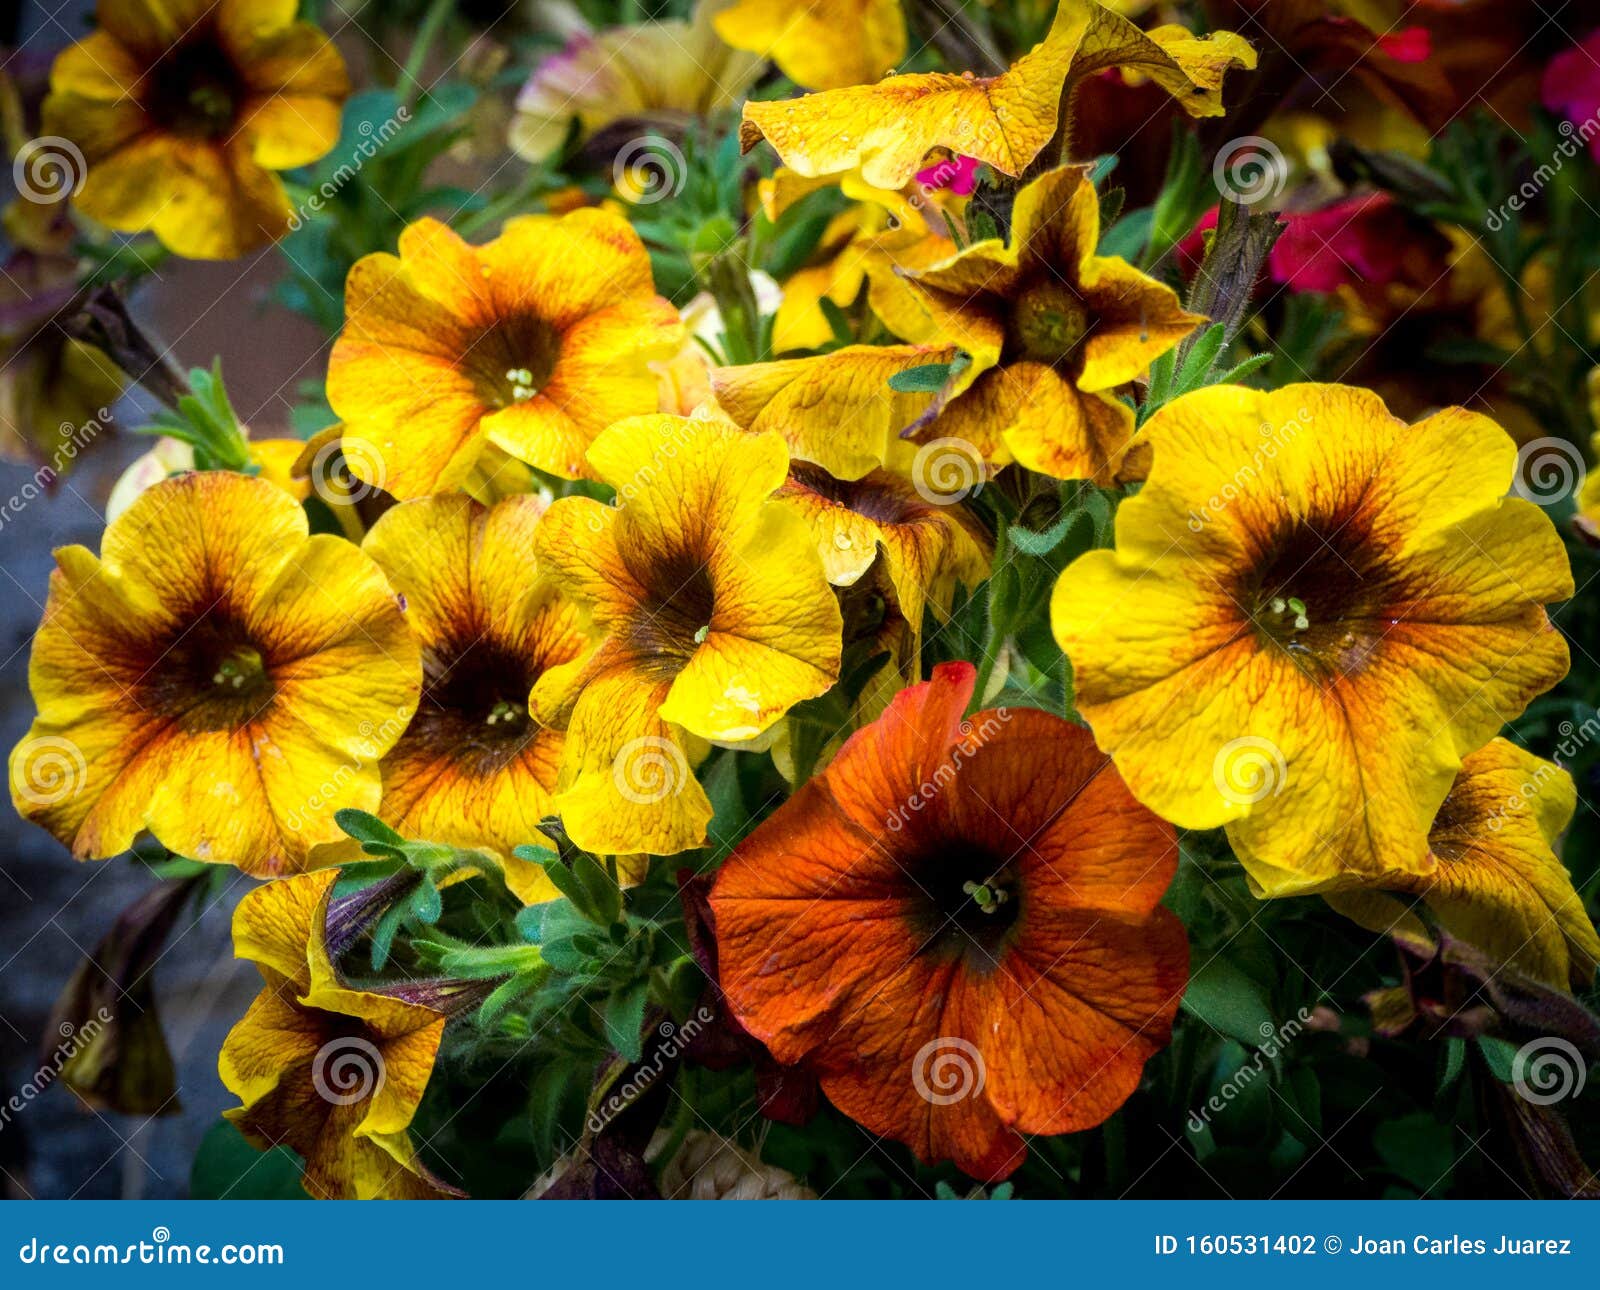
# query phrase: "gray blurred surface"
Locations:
[[53, 909]]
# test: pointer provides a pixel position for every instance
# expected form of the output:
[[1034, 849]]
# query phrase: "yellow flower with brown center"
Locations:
[[927, 547], [184, 109], [216, 677], [335, 1073], [1050, 330], [1312, 613], [534, 342], [716, 619], [473, 769], [1497, 881], [820, 44], [886, 129]]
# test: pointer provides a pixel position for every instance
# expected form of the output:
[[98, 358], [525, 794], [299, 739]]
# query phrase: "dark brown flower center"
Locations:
[[513, 360], [677, 613], [195, 89], [1049, 322], [212, 676], [1319, 593], [970, 900], [475, 704]]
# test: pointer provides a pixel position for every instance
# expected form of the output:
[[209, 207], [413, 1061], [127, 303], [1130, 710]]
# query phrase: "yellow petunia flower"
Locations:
[[928, 546], [716, 619], [183, 110], [216, 677], [335, 1073], [865, 243], [473, 769], [1048, 328], [820, 44], [534, 342], [885, 130], [666, 69], [837, 409], [1044, 330], [1496, 882], [1313, 612]]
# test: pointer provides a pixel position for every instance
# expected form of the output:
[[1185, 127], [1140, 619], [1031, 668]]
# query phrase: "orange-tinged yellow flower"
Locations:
[[534, 342], [880, 232], [837, 409], [473, 769], [887, 129], [184, 109], [1313, 612], [927, 546], [716, 619], [820, 44], [334, 1072], [216, 677], [1496, 881], [667, 69], [1049, 329]]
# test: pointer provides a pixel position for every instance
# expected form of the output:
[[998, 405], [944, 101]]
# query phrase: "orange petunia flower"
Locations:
[[957, 926], [333, 1071], [184, 109], [1313, 612], [215, 676], [473, 769], [534, 342], [1049, 328]]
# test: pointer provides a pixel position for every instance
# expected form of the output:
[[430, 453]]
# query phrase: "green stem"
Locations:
[[438, 14]]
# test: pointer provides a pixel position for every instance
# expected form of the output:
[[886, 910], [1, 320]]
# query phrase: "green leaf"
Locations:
[[426, 903], [1501, 1055], [1417, 1148], [1222, 996], [227, 1167], [1041, 544], [374, 835], [928, 378], [383, 934], [624, 1017]]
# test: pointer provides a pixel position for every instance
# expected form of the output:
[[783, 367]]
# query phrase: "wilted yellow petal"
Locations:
[[1005, 121]]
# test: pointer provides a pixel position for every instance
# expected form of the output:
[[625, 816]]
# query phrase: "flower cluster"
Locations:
[[891, 602]]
